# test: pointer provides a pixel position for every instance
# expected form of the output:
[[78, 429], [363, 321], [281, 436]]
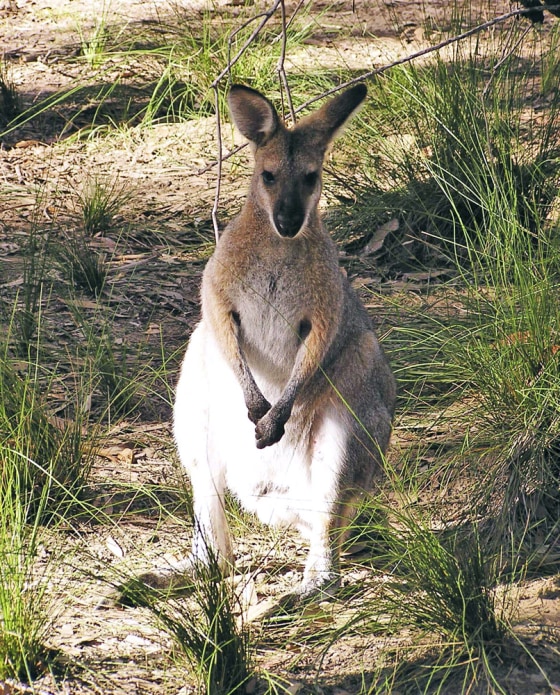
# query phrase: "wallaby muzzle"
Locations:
[[289, 213]]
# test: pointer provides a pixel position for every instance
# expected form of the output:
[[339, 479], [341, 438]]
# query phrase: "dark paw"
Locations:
[[268, 431], [256, 411]]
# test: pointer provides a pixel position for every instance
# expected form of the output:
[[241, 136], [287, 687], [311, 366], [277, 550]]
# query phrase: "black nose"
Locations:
[[289, 222]]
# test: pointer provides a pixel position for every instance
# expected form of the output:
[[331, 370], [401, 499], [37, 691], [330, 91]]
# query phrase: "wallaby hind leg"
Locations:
[[328, 513], [211, 543], [197, 388], [348, 447], [322, 569], [211, 539]]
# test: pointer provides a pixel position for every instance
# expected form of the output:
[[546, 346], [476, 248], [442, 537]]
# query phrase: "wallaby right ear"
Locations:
[[252, 113]]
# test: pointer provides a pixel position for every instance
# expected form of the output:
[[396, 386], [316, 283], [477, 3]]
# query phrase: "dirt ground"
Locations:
[[155, 274]]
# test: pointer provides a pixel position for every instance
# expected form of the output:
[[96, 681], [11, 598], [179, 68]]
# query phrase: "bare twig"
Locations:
[[264, 16], [418, 54], [289, 22], [281, 69], [220, 161], [294, 13], [505, 57], [231, 61], [224, 157]]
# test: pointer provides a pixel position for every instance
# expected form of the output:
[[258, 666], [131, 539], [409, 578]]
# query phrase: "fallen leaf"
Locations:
[[114, 547], [317, 614], [83, 303], [259, 610], [138, 641], [521, 337], [118, 453], [14, 283], [153, 329], [422, 276], [22, 144], [67, 630], [378, 239]]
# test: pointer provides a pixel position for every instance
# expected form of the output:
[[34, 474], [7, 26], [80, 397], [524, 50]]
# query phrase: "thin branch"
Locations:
[[231, 62], [224, 158], [265, 17], [418, 54], [294, 13], [278, 38], [384, 68], [220, 161], [505, 57], [280, 68]]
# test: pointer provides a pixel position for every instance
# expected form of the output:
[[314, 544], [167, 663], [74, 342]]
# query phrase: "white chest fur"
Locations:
[[288, 483]]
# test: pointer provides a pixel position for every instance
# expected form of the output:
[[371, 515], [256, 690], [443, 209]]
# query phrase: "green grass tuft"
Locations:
[[26, 613], [205, 628], [99, 202]]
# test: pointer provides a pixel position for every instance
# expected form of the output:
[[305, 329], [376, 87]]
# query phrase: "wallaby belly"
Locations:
[[276, 483]]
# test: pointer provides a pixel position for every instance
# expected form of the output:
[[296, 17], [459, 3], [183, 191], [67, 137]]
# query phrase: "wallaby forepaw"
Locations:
[[256, 411], [268, 431]]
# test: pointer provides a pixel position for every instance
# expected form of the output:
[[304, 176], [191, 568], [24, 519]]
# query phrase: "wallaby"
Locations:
[[285, 396]]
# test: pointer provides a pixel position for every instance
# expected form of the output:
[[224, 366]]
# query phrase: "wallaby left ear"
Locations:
[[252, 113], [332, 116]]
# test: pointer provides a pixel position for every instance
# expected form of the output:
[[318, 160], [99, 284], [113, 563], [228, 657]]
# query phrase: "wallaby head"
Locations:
[[286, 182]]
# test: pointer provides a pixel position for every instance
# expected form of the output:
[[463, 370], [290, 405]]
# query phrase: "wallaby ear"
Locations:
[[252, 113], [331, 117]]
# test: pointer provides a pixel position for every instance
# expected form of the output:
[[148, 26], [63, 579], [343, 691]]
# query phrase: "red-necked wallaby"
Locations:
[[285, 396]]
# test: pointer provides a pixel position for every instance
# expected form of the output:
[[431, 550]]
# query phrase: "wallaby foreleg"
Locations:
[[270, 428]]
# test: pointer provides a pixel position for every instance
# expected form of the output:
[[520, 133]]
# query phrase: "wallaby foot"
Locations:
[[306, 593], [322, 586]]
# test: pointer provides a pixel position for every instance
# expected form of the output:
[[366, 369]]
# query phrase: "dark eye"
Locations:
[[311, 178], [268, 177]]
